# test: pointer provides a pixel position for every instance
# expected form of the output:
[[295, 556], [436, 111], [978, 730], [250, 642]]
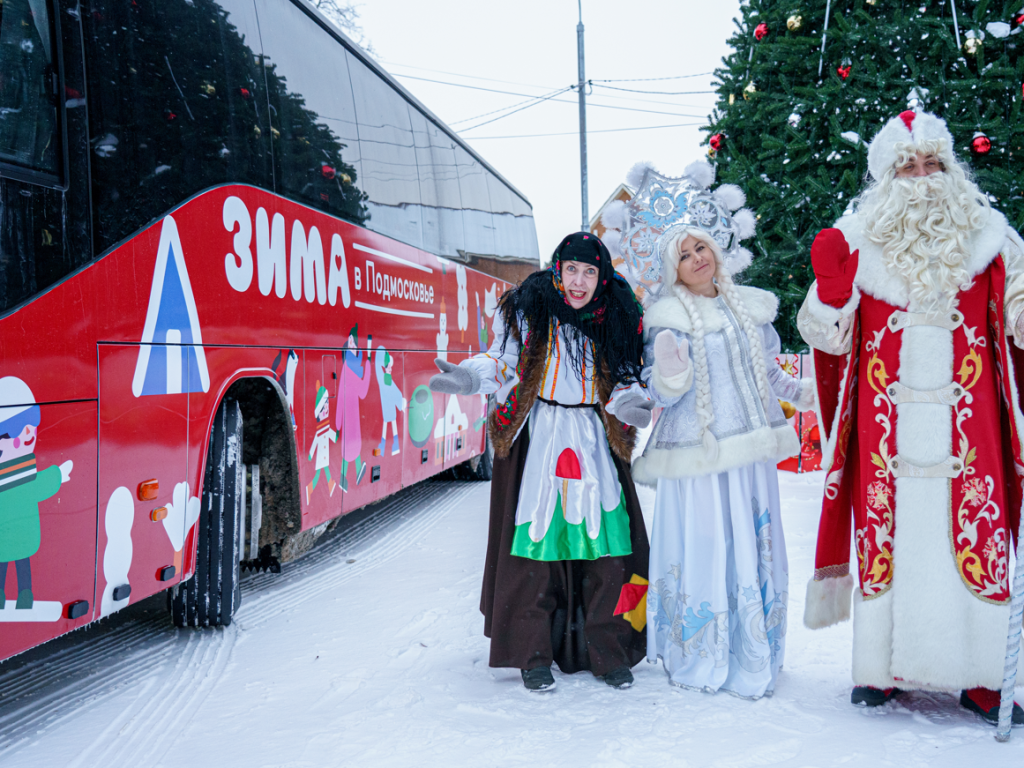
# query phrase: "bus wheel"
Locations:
[[211, 596]]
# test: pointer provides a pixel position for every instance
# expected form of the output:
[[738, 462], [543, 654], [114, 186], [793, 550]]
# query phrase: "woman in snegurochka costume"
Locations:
[[718, 596], [566, 531]]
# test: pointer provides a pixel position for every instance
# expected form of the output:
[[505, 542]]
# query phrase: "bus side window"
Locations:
[[315, 136], [28, 109], [177, 104]]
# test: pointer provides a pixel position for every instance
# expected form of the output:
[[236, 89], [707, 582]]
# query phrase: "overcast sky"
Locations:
[[530, 46]]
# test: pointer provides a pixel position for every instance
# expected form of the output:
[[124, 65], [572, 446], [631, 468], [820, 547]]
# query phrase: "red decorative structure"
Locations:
[[804, 422]]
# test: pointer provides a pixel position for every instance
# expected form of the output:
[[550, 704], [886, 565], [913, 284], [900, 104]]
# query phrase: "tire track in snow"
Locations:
[[166, 673], [320, 575]]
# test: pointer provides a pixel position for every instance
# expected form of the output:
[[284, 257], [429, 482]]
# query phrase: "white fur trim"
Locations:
[[635, 175], [872, 640], [613, 242], [882, 149], [737, 260], [746, 223], [828, 602], [615, 215], [808, 394], [764, 444], [731, 196], [673, 386], [826, 313], [875, 279], [762, 307], [701, 173]]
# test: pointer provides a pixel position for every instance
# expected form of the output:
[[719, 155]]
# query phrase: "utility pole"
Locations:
[[583, 123]]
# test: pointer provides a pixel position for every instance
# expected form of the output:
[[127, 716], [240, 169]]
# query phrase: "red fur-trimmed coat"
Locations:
[[923, 434]]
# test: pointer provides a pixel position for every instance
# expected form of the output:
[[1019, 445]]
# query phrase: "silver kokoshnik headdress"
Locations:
[[638, 230]]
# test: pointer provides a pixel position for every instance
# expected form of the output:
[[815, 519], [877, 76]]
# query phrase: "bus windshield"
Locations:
[[28, 111]]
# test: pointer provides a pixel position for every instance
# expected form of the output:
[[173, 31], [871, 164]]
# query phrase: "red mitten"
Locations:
[[834, 267]]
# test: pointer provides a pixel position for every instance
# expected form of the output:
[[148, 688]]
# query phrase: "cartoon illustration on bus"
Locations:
[[320, 450], [463, 295], [22, 487], [442, 335], [355, 380], [391, 399]]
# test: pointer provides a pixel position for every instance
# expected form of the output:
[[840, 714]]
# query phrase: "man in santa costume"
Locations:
[[916, 318]]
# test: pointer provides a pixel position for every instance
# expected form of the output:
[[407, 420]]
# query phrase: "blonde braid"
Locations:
[[754, 338], [702, 381]]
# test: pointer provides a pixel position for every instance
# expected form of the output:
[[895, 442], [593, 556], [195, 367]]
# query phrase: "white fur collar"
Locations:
[[873, 276], [668, 312]]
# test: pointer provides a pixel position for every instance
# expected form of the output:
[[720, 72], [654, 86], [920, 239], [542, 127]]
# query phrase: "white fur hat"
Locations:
[[908, 127]]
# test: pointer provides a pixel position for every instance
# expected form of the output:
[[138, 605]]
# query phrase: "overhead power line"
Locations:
[[533, 103], [652, 79], [656, 93], [511, 106], [576, 133]]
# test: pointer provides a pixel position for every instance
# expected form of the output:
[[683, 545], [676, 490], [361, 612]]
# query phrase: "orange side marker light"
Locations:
[[148, 490]]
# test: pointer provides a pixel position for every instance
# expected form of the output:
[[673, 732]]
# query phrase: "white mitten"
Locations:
[[671, 359]]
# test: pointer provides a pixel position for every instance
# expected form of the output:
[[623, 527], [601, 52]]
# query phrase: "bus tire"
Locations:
[[211, 597]]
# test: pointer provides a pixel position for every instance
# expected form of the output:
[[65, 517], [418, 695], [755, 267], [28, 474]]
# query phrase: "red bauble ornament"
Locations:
[[1019, 20], [980, 144], [327, 171], [716, 141], [844, 72], [245, 93], [760, 31]]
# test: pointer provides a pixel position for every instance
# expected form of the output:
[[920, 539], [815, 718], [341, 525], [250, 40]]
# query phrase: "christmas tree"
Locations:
[[807, 87]]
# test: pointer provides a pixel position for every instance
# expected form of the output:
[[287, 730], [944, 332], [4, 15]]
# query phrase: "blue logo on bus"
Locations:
[[171, 358]]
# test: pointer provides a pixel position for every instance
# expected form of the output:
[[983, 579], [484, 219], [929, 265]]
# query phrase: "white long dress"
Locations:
[[719, 578], [571, 504]]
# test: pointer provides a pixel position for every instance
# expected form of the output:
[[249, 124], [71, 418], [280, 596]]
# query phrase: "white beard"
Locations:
[[922, 225]]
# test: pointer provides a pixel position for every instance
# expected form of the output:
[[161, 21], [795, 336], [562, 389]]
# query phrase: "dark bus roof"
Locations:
[[384, 75]]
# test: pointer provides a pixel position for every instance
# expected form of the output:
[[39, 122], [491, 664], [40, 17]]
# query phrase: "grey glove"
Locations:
[[453, 379], [634, 409]]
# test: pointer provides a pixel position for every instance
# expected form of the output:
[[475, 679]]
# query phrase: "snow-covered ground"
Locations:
[[370, 652]]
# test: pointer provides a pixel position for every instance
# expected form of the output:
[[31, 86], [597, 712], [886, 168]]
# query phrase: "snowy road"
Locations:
[[369, 652]]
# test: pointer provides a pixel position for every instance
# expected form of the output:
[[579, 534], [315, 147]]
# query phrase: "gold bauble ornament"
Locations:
[[750, 89], [794, 22], [871, 2], [732, 99], [972, 45]]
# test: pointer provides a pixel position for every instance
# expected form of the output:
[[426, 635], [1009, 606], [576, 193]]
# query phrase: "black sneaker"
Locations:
[[619, 678], [872, 697], [538, 679], [986, 703]]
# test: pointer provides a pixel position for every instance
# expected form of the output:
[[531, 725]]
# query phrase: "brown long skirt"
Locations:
[[535, 612]]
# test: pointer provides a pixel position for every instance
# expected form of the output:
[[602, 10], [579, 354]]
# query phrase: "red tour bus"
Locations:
[[231, 247]]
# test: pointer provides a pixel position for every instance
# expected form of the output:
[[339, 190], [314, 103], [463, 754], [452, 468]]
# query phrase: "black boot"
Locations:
[[538, 679], [619, 678], [872, 697], [985, 702]]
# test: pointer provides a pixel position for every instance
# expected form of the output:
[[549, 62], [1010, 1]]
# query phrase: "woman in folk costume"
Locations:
[[566, 531], [719, 578]]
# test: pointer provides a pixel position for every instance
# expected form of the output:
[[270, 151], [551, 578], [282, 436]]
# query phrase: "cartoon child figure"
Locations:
[[22, 486], [355, 380], [442, 335], [320, 450], [463, 296], [391, 398]]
